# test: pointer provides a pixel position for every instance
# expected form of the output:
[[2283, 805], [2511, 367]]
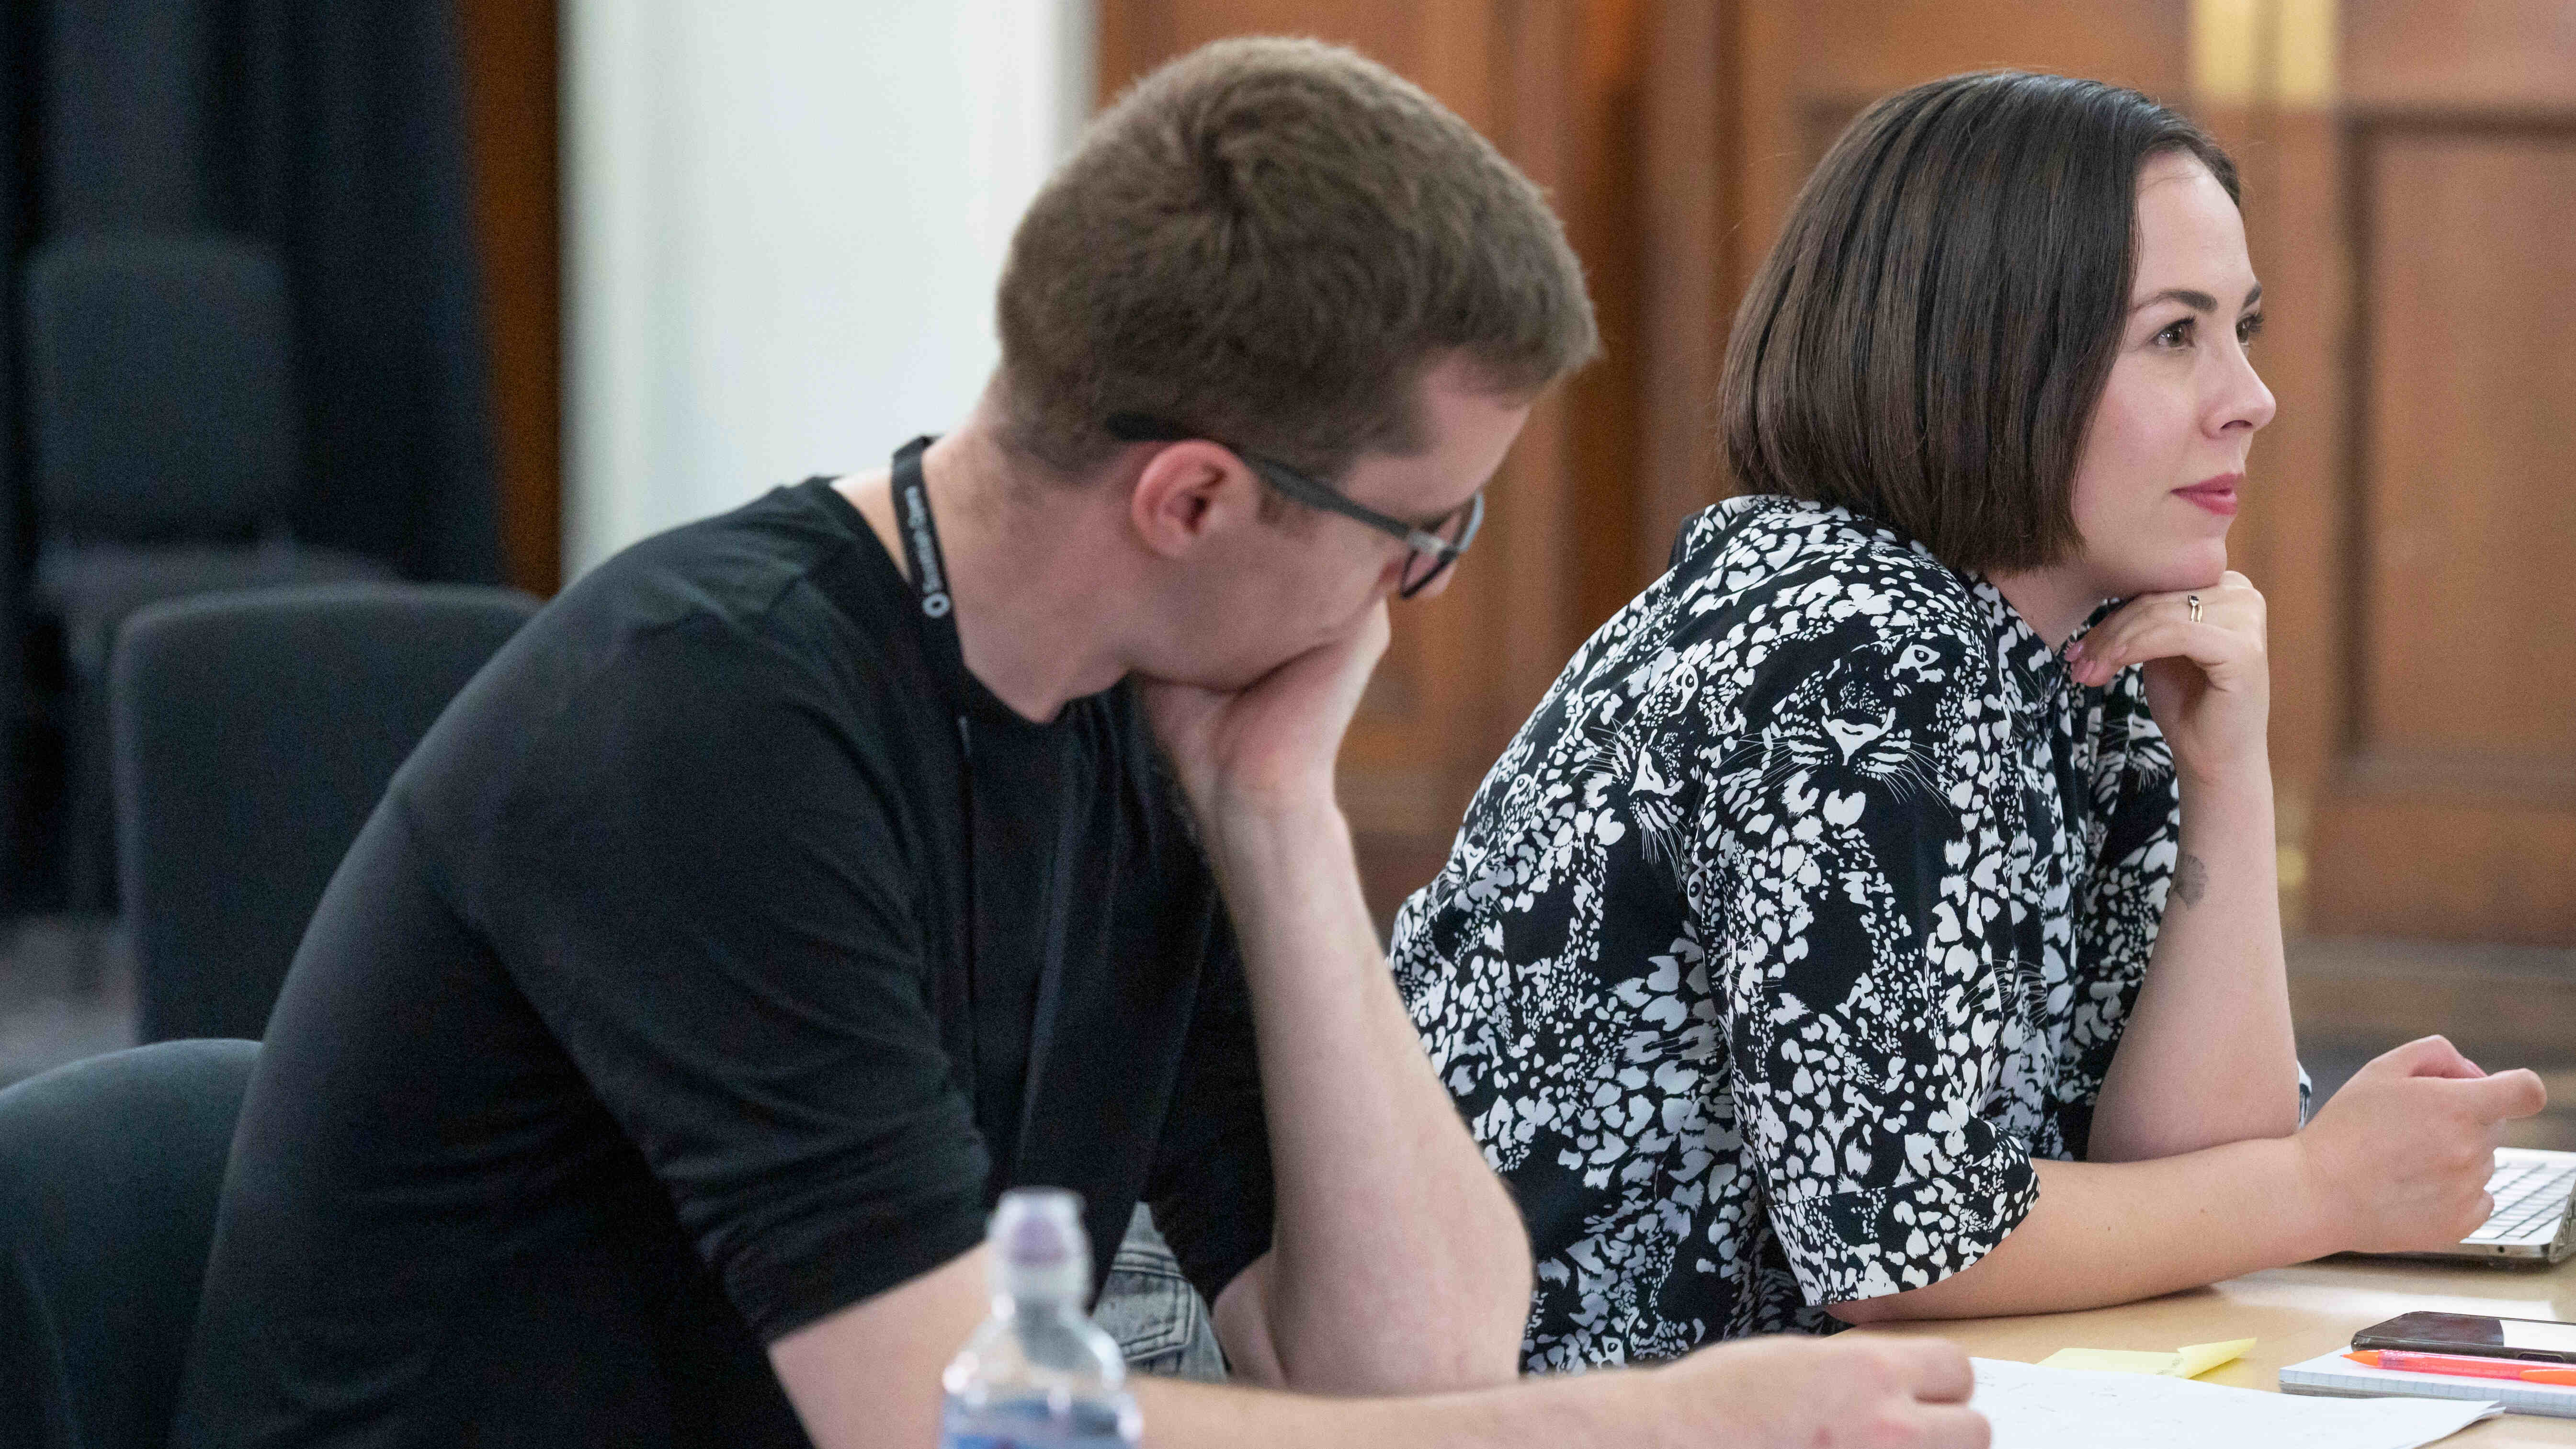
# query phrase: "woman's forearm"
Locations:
[[2116, 1232], [2207, 1056], [2396, 1163]]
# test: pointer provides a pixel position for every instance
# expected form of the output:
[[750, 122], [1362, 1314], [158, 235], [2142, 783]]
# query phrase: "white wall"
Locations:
[[784, 222]]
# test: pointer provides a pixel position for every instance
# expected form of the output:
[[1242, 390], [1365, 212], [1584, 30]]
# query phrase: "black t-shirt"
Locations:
[[670, 1002]]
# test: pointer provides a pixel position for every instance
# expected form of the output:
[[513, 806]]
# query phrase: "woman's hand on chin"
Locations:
[[2209, 681]]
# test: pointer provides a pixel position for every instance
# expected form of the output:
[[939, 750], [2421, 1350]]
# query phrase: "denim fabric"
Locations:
[[1159, 1320]]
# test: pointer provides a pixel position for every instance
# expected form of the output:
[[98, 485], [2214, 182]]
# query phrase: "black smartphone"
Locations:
[[2525, 1338]]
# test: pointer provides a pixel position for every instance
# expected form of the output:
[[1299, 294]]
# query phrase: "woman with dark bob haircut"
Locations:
[[1874, 922]]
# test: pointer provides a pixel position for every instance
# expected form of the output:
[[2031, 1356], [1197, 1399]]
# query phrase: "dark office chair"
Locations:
[[253, 734], [109, 1173], [163, 411]]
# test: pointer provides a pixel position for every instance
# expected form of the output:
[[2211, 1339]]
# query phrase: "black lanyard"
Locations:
[[930, 582], [938, 608]]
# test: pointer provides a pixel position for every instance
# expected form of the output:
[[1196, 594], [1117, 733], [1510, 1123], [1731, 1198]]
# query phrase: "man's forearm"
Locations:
[[1559, 1413], [1399, 1260], [2117, 1232], [2207, 1055], [868, 1377]]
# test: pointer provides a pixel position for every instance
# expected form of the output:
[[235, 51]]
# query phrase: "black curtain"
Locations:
[[333, 130]]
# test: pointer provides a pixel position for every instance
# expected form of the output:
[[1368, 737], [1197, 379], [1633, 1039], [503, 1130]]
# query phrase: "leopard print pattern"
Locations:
[[1802, 914]]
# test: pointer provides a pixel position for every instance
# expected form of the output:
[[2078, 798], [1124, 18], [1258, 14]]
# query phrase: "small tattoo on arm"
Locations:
[[2191, 880]]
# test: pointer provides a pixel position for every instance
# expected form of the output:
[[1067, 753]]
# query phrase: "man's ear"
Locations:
[[1189, 491]]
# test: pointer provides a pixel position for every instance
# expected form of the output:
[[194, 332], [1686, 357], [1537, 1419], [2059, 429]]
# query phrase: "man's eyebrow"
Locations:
[[2196, 301]]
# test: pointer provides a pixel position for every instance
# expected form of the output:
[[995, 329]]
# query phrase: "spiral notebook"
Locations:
[[2335, 1376]]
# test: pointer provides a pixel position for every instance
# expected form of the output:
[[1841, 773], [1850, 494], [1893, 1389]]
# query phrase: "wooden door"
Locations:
[[2431, 180], [1553, 85]]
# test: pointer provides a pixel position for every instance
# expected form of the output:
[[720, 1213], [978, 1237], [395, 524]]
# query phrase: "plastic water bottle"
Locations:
[[1039, 1374]]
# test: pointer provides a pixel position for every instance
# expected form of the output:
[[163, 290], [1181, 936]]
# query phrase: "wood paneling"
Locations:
[[510, 90], [2356, 999], [2293, 537], [2448, 53], [2450, 808], [1690, 194], [1804, 70], [1863, 49], [1600, 189], [2443, 868], [2469, 628]]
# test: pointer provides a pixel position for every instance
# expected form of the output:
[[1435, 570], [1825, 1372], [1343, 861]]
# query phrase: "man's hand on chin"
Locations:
[[1269, 746]]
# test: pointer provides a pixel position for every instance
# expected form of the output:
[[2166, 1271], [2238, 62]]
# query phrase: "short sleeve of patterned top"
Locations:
[[1805, 911]]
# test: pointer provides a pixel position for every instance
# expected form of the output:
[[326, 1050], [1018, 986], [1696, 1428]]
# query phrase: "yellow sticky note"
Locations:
[[2112, 1361], [2195, 1359], [2187, 1362]]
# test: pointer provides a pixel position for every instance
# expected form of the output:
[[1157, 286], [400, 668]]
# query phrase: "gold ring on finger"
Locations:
[[2194, 602]]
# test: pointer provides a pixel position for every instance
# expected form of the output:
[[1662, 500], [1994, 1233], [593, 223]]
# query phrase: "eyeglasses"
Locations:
[[1434, 546]]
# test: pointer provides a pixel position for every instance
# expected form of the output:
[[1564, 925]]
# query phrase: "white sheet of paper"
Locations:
[[2044, 1408], [2115, 1361]]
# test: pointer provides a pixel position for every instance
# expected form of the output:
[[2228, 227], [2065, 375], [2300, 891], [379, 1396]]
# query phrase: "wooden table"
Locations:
[[2297, 1313]]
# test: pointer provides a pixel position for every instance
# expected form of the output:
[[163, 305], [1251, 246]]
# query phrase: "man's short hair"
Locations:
[[1269, 241], [1929, 338]]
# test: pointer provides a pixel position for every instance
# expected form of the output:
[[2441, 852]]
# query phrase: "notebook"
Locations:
[[2043, 1408], [2335, 1376]]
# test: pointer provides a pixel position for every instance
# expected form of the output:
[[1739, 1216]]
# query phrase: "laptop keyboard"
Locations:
[[2530, 1197]]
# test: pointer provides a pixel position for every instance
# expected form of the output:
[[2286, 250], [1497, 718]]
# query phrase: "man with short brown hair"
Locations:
[[806, 876], [1271, 241]]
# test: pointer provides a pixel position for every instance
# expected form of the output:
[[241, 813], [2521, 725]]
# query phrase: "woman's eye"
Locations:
[[2176, 335], [2248, 328]]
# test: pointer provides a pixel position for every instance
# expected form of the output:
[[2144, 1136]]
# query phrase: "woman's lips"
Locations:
[[2218, 495]]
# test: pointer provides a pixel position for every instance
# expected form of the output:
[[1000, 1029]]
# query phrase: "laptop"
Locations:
[[2532, 1192]]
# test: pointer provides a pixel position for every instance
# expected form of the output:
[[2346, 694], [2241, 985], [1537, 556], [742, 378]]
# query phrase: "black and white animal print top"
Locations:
[[1805, 911]]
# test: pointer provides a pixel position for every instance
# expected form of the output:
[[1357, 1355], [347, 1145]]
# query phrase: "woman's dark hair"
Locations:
[[1926, 343]]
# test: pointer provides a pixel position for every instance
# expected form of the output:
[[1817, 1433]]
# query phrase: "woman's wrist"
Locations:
[[2322, 1219], [2244, 782]]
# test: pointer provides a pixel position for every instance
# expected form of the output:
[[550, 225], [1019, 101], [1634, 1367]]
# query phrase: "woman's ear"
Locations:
[[1189, 491]]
